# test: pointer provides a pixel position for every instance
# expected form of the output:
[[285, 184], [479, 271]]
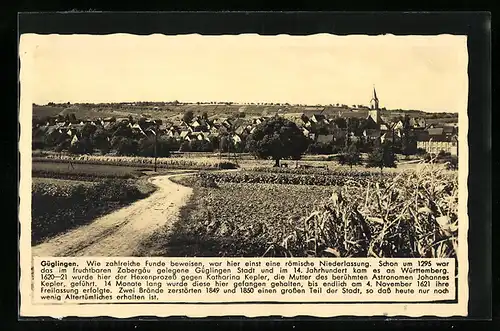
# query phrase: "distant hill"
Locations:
[[171, 110]]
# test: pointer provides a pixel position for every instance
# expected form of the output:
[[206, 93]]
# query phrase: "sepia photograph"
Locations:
[[246, 145]]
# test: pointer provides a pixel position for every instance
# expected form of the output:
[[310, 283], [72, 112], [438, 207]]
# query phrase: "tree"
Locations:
[[350, 156], [185, 146], [122, 130], [277, 138], [82, 146], [215, 142], [340, 122], [353, 125], [204, 115], [147, 147], [101, 140], [408, 143], [201, 146], [88, 130], [224, 143], [381, 156], [126, 146], [188, 116], [72, 118]]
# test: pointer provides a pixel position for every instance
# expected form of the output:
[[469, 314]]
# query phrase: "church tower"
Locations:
[[374, 112], [374, 100]]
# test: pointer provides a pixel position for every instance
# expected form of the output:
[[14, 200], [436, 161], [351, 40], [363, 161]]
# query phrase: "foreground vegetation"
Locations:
[[233, 219], [300, 177], [409, 214], [414, 214], [61, 205]]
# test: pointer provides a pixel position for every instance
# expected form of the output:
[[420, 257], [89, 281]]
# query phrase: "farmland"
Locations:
[[233, 219], [65, 196], [174, 111], [61, 205], [411, 213], [82, 171]]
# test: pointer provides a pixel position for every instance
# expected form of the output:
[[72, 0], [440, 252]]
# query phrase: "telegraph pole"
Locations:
[[154, 131], [156, 143]]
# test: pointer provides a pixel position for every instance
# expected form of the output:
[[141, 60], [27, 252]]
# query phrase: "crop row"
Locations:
[[237, 219], [168, 163], [340, 171], [412, 214], [333, 179]]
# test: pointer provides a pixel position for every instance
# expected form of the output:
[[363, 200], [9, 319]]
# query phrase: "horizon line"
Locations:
[[243, 103]]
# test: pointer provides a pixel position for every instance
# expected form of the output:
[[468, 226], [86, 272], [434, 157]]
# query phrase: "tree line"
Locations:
[[276, 138]]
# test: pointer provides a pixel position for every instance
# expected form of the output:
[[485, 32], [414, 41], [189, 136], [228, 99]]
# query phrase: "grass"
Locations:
[[61, 205]]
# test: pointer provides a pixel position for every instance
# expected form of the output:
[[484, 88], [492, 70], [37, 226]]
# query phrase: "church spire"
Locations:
[[374, 100]]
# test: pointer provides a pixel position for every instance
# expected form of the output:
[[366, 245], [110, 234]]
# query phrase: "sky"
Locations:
[[409, 72]]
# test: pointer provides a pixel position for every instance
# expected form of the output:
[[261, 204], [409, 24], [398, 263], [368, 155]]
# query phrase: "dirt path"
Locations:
[[120, 233]]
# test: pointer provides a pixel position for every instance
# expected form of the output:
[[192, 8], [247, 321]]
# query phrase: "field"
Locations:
[[259, 210], [406, 214], [81, 171], [61, 205], [232, 220], [172, 112], [64, 197], [122, 163]]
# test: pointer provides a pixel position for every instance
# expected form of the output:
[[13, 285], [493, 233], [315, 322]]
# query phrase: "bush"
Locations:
[[443, 154], [228, 165]]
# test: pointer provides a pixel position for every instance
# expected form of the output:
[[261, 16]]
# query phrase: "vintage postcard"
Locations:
[[249, 175]]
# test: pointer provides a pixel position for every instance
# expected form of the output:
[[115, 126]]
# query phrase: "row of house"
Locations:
[[318, 128], [431, 138]]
